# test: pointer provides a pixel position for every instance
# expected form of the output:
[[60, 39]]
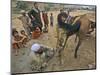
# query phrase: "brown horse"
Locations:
[[81, 33]]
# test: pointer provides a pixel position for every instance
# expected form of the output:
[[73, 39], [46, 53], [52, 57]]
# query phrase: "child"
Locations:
[[26, 39], [51, 19], [17, 41], [36, 33]]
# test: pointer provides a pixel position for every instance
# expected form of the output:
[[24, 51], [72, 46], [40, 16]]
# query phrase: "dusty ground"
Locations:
[[86, 53]]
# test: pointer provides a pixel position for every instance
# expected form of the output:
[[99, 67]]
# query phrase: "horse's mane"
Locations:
[[81, 16]]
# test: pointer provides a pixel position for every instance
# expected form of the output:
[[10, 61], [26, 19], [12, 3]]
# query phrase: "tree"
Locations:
[[22, 5]]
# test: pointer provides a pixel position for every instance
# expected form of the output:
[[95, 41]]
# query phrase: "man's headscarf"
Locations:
[[35, 47]]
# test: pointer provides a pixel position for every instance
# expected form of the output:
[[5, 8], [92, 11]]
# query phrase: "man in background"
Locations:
[[45, 20], [26, 23], [35, 17], [51, 19]]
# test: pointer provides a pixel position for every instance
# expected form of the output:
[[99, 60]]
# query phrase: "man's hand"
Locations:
[[33, 18]]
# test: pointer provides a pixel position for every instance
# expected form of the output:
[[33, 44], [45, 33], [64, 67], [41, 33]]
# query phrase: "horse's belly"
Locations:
[[84, 26]]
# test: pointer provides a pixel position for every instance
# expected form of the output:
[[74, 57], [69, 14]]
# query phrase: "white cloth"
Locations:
[[35, 47]]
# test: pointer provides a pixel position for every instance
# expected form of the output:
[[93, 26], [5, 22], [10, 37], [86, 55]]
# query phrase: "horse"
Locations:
[[85, 25]]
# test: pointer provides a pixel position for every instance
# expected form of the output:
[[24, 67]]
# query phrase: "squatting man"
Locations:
[[41, 54]]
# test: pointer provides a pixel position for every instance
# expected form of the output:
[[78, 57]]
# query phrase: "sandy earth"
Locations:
[[86, 53]]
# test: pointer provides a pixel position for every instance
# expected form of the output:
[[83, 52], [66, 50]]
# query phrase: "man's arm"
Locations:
[[30, 15], [28, 20], [22, 39]]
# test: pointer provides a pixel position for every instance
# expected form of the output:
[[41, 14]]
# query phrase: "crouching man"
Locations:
[[40, 55]]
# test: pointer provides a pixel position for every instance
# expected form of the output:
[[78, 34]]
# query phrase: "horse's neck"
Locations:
[[76, 18], [85, 24]]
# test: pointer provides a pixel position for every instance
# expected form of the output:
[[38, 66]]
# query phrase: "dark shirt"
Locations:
[[66, 26], [45, 18], [35, 16], [72, 28], [60, 23]]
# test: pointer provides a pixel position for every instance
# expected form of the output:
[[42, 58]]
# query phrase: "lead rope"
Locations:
[[57, 46], [60, 46]]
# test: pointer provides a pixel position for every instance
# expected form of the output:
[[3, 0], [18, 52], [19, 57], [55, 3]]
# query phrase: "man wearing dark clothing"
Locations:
[[71, 28], [45, 20], [59, 19], [62, 23], [65, 27], [35, 17]]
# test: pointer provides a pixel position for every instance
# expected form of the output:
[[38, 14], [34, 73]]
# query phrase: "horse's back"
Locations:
[[85, 24]]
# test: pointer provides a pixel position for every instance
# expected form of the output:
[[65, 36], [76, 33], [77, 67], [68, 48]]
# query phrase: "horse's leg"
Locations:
[[60, 51], [65, 41], [77, 47], [76, 38]]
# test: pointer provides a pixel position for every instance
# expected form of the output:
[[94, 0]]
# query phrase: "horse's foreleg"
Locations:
[[77, 47], [60, 51], [76, 38], [65, 42]]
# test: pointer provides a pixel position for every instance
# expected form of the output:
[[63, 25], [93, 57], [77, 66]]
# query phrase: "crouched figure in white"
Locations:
[[40, 54]]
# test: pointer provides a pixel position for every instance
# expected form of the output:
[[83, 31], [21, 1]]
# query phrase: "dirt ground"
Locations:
[[86, 53]]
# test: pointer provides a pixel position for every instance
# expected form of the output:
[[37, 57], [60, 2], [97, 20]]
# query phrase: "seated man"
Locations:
[[36, 33]]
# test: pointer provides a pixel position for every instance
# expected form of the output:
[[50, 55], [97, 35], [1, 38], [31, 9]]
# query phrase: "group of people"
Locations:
[[38, 52], [32, 24], [19, 40], [33, 28], [36, 18], [33, 21]]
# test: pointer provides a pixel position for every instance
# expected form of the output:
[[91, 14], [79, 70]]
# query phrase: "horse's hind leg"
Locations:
[[77, 47], [76, 38]]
